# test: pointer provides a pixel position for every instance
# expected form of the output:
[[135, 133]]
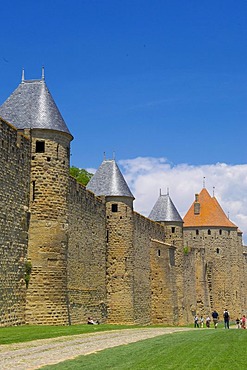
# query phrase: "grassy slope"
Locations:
[[202, 349]]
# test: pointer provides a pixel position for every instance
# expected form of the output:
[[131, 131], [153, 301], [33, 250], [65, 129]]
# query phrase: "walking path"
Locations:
[[38, 353]]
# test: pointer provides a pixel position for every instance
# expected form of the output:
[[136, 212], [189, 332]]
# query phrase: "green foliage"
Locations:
[[27, 273], [81, 175], [186, 250]]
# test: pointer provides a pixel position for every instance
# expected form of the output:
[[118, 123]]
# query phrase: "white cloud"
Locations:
[[146, 176]]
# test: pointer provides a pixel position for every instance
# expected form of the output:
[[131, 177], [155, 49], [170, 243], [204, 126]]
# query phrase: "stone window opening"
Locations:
[[220, 232], [173, 229], [33, 190], [217, 250], [209, 232], [40, 146], [158, 252], [197, 232], [114, 207]]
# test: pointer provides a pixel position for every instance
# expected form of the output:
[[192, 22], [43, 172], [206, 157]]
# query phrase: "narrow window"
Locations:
[[197, 232], [33, 192], [107, 236], [173, 230], [209, 232], [158, 252], [220, 231], [114, 207], [40, 146], [217, 251]]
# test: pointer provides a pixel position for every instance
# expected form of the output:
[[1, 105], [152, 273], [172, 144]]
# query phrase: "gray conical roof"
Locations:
[[164, 210], [109, 181], [32, 106]]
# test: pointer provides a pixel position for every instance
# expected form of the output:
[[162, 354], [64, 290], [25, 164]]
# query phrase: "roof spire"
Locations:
[[104, 156], [43, 73], [167, 191], [160, 193], [204, 182], [23, 75], [114, 156], [213, 190]]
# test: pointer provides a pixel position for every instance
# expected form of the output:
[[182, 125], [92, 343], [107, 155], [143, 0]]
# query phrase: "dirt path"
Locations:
[[35, 354]]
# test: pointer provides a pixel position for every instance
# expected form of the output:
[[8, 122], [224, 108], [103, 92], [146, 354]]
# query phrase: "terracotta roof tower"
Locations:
[[206, 211]]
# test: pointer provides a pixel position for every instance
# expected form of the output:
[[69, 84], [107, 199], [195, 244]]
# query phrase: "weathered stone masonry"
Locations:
[[14, 222], [90, 253]]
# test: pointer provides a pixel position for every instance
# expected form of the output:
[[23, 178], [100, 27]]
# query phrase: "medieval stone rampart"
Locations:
[[86, 266], [217, 255], [144, 231], [14, 222]]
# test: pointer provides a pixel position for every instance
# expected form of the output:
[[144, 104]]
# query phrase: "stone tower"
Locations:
[[32, 110], [108, 182], [215, 244], [165, 212]]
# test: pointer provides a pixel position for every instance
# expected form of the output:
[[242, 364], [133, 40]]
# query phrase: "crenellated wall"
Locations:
[[218, 262], [97, 257], [86, 267], [14, 222], [144, 231]]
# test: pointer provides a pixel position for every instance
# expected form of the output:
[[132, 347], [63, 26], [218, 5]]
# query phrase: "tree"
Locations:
[[81, 175]]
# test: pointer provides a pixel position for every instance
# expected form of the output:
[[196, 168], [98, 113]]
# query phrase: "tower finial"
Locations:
[[43, 73], [104, 156], [167, 191], [213, 190], [204, 182], [114, 156], [160, 193], [23, 75]]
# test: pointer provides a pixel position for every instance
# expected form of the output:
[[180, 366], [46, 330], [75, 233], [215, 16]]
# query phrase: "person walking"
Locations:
[[208, 321], [226, 316], [215, 317], [196, 325], [243, 322]]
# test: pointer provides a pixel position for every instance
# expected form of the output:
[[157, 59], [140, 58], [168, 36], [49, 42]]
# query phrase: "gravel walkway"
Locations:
[[35, 354]]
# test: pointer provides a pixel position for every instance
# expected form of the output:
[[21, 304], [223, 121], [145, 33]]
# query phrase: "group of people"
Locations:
[[199, 322]]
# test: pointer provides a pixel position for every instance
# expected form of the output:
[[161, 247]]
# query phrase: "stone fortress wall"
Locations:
[[94, 255], [14, 220]]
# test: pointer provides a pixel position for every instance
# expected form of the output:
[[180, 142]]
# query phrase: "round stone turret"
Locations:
[[108, 182], [33, 111]]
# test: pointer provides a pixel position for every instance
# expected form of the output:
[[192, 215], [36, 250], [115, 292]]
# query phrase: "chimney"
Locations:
[[196, 205]]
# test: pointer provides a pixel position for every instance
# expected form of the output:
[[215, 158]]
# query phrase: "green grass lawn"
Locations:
[[16, 334], [199, 349]]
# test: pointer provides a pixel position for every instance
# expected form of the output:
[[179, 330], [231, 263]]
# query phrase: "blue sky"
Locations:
[[138, 78], [163, 84]]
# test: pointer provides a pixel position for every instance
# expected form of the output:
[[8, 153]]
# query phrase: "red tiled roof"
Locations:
[[211, 213]]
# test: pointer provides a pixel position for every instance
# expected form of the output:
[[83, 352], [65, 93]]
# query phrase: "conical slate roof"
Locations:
[[210, 214], [109, 181], [164, 210], [32, 106]]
